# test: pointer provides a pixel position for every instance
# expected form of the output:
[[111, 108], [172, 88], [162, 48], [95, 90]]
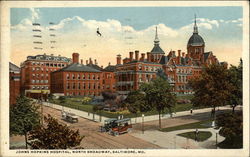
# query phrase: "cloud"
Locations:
[[208, 21], [34, 14]]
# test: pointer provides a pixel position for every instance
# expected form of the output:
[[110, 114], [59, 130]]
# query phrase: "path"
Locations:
[[171, 140]]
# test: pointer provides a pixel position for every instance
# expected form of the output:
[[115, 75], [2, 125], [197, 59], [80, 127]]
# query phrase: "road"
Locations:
[[96, 140]]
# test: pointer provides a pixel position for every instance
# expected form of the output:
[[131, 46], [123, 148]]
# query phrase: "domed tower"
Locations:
[[196, 44], [156, 52]]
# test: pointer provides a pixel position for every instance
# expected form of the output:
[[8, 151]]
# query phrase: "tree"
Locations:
[[62, 99], [231, 128], [136, 102], [24, 117], [235, 78], [158, 95], [53, 135], [212, 88]]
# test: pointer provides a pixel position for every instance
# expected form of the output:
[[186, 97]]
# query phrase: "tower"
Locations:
[[156, 52], [196, 44]]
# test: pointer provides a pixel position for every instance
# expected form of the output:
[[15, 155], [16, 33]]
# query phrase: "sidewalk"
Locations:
[[171, 140], [96, 117]]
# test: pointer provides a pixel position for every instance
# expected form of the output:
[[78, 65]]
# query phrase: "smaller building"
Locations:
[[35, 73], [77, 79], [14, 83]]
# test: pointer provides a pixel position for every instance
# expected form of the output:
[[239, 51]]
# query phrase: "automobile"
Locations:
[[108, 124], [121, 126], [70, 117]]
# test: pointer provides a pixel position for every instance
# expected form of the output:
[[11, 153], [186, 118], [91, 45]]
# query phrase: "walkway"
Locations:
[[97, 118], [171, 140]]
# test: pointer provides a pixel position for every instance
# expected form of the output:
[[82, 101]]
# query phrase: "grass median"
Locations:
[[196, 125]]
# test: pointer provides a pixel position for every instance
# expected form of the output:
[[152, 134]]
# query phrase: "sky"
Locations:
[[124, 29]]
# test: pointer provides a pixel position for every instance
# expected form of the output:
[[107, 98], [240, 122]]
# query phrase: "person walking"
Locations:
[[191, 111], [196, 134]]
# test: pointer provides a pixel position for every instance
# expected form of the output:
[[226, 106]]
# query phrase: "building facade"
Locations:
[[76, 79], [14, 83], [179, 68], [35, 73]]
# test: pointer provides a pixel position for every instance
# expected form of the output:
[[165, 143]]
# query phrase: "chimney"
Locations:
[[131, 55], [87, 62], [173, 54], [75, 57], [183, 54], [149, 56], [142, 57], [118, 59], [95, 62], [109, 63], [136, 55], [81, 61], [179, 53], [90, 61]]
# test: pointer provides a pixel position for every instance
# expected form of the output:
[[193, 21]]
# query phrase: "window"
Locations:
[[68, 86], [41, 81], [74, 86], [73, 76], [33, 81], [93, 76], [33, 69], [37, 81], [78, 77], [79, 85], [67, 76], [83, 85], [88, 76], [46, 81], [83, 77]]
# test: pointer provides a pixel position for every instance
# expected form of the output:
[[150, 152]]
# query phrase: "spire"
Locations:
[[195, 26], [156, 41]]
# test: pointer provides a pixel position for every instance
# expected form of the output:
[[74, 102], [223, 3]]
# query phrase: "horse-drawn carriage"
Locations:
[[70, 117], [116, 127]]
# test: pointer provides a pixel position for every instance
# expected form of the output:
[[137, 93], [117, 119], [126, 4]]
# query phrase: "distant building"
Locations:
[[76, 79], [14, 83], [35, 73], [178, 68]]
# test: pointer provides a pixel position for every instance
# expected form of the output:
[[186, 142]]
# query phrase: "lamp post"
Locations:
[[142, 123]]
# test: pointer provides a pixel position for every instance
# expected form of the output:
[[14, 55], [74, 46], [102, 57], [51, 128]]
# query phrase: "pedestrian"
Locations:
[[196, 134], [191, 111]]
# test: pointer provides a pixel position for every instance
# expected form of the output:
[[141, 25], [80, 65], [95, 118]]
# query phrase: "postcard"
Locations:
[[123, 78]]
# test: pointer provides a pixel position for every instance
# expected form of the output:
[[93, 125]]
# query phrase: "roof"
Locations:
[[49, 57], [13, 67], [164, 60], [79, 68], [157, 49], [196, 40], [206, 54], [94, 66], [110, 68], [145, 61]]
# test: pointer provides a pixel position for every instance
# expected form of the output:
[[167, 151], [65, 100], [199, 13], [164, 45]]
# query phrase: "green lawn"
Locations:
[[201, 124], [202, 135], [76, 103]]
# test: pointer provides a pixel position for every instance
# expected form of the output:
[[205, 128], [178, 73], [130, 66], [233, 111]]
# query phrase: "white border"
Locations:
[[5, 55]]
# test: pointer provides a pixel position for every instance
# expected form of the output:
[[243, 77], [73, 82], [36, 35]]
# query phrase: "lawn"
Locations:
[[76, 103], [201, 124], [202, 135]]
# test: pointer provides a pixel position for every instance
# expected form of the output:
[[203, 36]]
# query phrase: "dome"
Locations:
[[195, 40]]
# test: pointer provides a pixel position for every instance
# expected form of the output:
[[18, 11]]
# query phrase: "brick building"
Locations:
[[14, 83], [179, 68], [108, 75], [35, 73], [77, 79]]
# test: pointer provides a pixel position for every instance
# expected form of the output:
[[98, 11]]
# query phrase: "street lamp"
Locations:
[[216, 136], [142, 123]]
